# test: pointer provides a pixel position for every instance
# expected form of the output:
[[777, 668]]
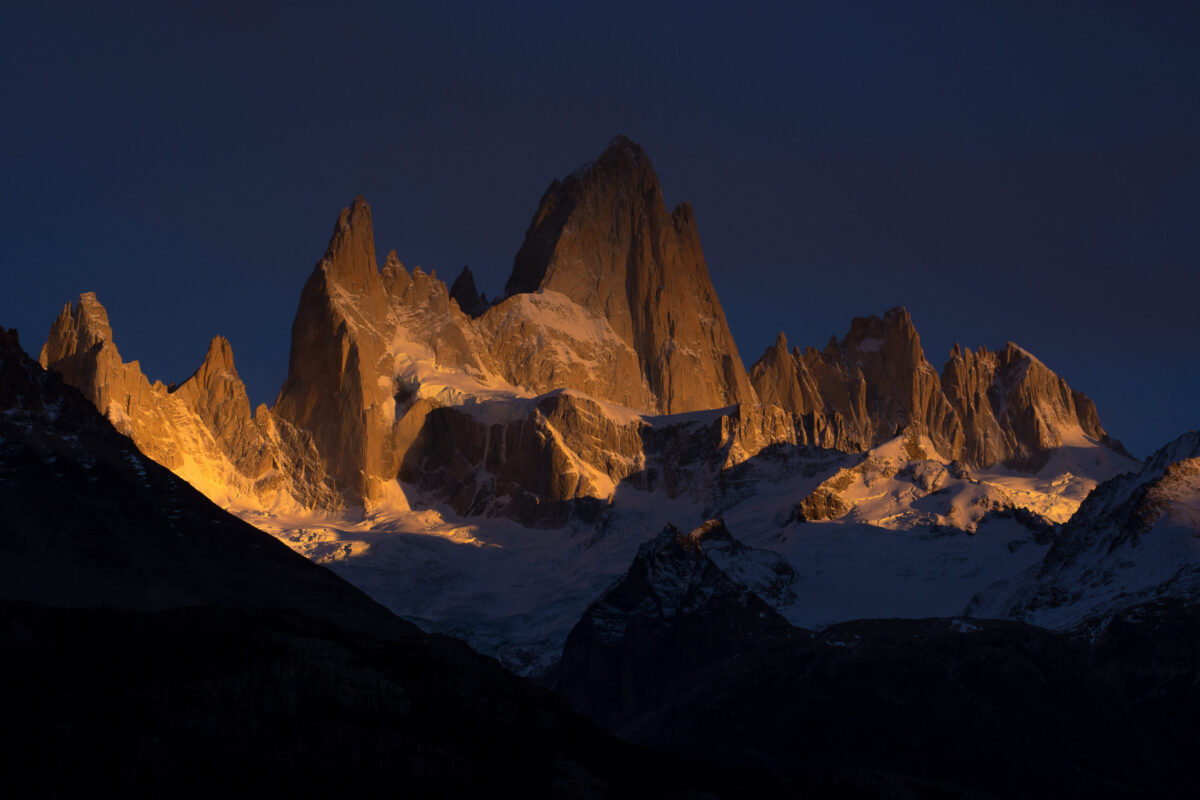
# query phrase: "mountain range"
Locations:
[[517, 473]]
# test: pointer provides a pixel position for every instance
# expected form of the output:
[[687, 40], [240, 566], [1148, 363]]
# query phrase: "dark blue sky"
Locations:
[[1006, 171]]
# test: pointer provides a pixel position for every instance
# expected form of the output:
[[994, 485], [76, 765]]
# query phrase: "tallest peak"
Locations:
[[624, 149], [603, 238], [622, 143], [623, 159]]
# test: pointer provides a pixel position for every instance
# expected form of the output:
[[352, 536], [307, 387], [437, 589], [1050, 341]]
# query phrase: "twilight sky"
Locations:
[[1005, 171]]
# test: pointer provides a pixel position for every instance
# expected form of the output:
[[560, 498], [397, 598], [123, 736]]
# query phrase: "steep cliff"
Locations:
[[203, 430], [985, 408], [603, 237]]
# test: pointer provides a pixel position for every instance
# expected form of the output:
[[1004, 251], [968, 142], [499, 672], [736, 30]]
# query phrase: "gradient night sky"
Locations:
[[1003, 170]]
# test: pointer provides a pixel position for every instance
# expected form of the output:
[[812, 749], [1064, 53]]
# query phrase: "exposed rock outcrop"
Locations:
[[544, 342], [610, 322], [463, 292], [1015, 409], [542, 461], [862, 390], [985, 407], [337, 357], [604, 238], [562, 455], [202, 430]]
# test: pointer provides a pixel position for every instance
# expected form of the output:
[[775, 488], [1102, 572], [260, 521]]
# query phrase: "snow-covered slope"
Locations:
[[1135, 538], [905, 482], [515, 592]]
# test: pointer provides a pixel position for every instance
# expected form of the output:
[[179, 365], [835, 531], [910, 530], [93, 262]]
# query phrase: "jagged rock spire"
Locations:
[[332, 388], [1014, 408], [985, 407], [603, 237], [463, 292], [203, 429]]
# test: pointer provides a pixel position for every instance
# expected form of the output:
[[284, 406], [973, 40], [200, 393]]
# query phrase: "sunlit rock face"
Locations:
[[985, 408], [862, 390], [544, 341], [603, 238], [542, 461], [1014, 408], [619, 309], [374, 353], [90, 521], [338, 349], [586, 376], [202, 430]]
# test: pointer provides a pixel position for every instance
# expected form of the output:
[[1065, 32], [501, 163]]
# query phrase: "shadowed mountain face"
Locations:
[[681, 655], [675, 606], [468, 297]]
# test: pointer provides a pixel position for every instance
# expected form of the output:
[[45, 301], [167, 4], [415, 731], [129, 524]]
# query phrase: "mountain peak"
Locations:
[[349, 260], [92, 317], [713, 530], [220, 353], [896, 320], [604, 238], [1013, 353], [622, 159], [80, 326], [464, 292], [9, 340], [622, 155], [623, 143]]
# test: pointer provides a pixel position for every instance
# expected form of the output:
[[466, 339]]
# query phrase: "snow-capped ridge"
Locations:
[[1135, 538]]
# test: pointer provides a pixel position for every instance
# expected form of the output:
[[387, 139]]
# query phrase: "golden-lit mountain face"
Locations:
[[604, 238], [579, 380], [986, 408], [203, 429]]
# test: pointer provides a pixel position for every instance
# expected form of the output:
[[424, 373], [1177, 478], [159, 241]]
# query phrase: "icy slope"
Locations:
[[1135, 538], [515, 592]]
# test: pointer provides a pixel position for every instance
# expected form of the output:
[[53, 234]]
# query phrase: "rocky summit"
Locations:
[[202, 429], [603, 237], [985, 408]]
